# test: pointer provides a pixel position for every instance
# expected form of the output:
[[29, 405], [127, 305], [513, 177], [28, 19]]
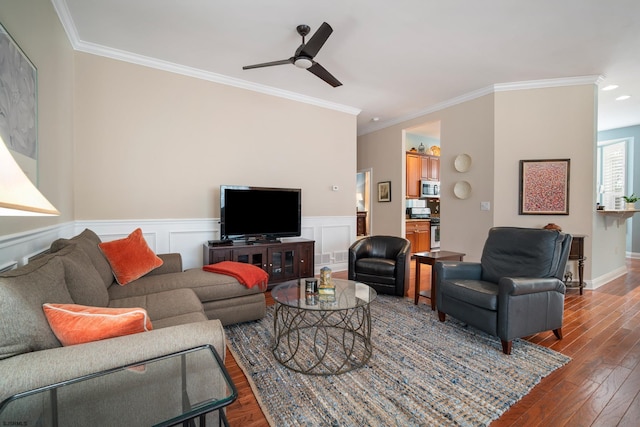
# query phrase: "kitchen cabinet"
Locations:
[[420, 167], [418, 232], [414, 172], [430, 168]]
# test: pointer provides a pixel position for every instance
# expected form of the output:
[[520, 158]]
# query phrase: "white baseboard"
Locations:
[[605, 278], [332, 235]]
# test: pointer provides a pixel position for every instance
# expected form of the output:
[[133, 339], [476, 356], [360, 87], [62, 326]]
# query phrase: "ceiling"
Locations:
[[396, 60]]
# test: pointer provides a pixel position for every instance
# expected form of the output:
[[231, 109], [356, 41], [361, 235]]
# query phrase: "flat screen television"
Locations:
[[259, 212]]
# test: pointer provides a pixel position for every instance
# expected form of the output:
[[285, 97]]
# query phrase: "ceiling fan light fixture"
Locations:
[[303, 62]]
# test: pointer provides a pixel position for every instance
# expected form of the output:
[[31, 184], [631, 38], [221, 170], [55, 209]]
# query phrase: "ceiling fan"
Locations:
[[303, 57]]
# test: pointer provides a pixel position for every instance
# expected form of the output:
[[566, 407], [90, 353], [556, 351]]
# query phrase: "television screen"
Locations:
[[259, 212]]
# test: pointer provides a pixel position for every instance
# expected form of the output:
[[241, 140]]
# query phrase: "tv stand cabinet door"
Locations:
[[213, 255], [306, 250], [283, 262], [255, 255]]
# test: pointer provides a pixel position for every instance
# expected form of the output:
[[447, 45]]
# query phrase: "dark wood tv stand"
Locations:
[[286, 260]]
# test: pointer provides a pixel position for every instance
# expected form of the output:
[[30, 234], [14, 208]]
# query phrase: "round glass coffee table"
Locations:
[[321, 335]]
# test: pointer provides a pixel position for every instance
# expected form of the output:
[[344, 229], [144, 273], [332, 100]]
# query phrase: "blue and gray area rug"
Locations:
[[422, 373]]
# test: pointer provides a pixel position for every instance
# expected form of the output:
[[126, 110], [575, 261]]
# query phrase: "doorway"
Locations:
[[363, 203]]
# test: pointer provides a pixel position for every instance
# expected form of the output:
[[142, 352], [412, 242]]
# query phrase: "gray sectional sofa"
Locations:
[[187, 309]]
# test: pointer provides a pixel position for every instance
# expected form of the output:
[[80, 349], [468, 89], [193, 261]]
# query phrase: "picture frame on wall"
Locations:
[[19, 101], [384, 191], [544, 187]]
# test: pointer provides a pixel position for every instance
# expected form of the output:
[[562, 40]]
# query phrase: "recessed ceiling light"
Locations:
[[375, 119], [623, 97], [610, 87]]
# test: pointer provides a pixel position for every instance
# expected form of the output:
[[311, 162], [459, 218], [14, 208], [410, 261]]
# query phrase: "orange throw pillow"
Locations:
[[77, 324], [130, 258]]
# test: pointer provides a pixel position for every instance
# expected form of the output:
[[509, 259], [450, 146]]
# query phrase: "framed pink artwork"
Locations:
[[544, 187]]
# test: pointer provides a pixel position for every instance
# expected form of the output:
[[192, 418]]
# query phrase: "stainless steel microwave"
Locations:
[[429, 188]]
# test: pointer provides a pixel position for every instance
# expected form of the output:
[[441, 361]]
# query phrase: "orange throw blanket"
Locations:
[[247, 274]]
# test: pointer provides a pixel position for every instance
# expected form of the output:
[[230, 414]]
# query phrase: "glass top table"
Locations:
[[319, 335], [162, 391]]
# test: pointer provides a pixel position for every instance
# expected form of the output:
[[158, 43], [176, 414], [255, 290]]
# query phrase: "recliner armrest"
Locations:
[[458, 270], [524, 285]]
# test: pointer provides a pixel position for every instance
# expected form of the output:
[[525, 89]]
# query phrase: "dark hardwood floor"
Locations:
[[599, 387]]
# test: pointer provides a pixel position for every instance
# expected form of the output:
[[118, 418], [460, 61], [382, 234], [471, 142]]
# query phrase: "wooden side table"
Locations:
[[577, 254], [431, 258]]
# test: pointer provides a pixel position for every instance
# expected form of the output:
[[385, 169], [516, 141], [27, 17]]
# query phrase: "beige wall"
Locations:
[[34, 25], [498, 131], [122, 141], [551, 123], [383, 152], [152, 144], [465, 128]]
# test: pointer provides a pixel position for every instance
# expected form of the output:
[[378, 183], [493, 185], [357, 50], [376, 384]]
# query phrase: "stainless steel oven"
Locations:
[[429, 188], [435, 233]]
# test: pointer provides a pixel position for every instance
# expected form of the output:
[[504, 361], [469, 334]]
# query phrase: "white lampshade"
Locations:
[[18, 196]]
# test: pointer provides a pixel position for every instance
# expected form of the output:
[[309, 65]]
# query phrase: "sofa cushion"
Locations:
[[24, 327], [130, 258], [76, 324], [475, 292], [208, 286], [88, 241], [376, 266], [83, 280], [166, 308]]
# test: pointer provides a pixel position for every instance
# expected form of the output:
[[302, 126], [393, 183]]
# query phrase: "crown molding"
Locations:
[[548, 83], [437, 107], [64, 15], [146, 61], [95, 49], [500, 87]]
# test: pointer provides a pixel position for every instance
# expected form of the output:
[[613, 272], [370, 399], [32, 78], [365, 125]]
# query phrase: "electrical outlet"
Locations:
[[485, 206]]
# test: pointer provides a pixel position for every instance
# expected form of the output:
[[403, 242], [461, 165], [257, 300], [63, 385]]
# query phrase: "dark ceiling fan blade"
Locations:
[[269, 64], [318, 39], [321, 72]]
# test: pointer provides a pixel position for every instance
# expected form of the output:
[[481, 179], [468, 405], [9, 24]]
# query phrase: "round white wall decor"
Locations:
[[462, 190], [462, 163]]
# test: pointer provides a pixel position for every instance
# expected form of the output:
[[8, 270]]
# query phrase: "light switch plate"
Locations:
[[485, 206]]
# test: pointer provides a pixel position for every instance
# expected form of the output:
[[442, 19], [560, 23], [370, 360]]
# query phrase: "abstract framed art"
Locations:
[[544, 187], [19, 105]]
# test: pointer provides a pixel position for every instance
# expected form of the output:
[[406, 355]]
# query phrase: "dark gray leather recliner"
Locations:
[[381, 262], [515, 291]]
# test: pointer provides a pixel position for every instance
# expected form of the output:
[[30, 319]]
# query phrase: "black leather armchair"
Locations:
[[381, 262], [515, 291]]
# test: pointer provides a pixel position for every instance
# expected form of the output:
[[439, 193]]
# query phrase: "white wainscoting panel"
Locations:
[[16, 249], [332, 234]]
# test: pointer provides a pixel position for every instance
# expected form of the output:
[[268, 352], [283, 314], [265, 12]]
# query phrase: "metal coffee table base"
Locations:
[[322, 342]]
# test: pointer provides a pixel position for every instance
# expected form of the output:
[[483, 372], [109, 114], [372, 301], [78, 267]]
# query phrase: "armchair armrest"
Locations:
[[171, 263], [404, 254], [524, 285], [529, 305]]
